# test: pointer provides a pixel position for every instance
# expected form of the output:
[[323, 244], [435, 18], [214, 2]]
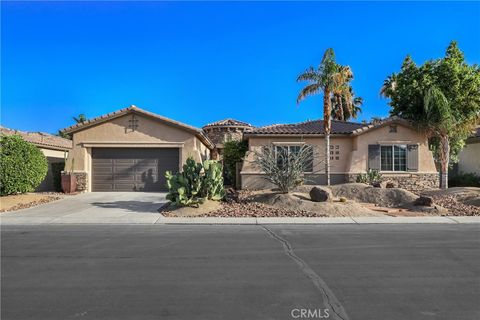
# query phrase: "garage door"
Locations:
[[132, 169]]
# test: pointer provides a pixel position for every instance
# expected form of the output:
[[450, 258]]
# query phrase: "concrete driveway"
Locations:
[[94, 207]]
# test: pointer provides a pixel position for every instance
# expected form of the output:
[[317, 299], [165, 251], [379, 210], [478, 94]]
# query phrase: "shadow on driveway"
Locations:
[[133, 206]]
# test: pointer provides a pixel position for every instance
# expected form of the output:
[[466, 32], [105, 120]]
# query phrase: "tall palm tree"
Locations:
[[322, 81], [437, 122], [350, 106], [342, 96], [388, 86]]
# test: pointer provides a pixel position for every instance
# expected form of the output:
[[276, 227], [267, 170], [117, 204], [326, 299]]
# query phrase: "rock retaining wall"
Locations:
[[414, 182]]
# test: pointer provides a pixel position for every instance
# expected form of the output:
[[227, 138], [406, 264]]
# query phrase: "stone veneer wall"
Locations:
[[413, 181], [81, 180], [223, 134]]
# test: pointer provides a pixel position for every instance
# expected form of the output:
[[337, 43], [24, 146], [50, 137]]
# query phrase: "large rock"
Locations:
[[319, 194], [391, 184], [424, 201]]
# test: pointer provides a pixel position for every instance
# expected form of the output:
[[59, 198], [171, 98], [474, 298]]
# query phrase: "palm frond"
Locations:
[[309, 90]]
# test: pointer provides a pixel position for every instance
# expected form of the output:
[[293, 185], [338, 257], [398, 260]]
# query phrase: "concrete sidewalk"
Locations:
[[156, 218]]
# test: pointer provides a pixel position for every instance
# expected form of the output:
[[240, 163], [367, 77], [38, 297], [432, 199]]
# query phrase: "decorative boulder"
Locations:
[[390, 185], [376, 184], [319, 194], [424, 201]]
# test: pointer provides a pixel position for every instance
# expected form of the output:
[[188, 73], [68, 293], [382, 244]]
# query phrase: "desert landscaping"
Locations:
[[343, 200]]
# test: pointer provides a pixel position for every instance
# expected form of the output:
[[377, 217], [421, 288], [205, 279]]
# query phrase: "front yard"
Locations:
[[26, 200], [347, 200]]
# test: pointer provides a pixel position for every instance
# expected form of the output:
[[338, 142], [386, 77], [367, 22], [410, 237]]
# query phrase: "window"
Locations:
[[393, 158], [286, 151]]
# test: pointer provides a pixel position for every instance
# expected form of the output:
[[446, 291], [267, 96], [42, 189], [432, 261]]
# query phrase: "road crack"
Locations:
[[331, 302]]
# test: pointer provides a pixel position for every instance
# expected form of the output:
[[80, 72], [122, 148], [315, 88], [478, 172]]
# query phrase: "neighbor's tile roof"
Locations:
[[228, 123], [40, 139], [308, 127]]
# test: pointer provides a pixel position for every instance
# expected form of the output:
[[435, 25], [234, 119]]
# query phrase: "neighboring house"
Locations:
[[222, 131], [391, 146], [53, 147], [130, 150], [469, 157]]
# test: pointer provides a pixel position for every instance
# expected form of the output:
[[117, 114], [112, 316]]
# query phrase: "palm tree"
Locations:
[[341, 91], [347, 110], [437, 122], [80, 119], [322, 81], [388, 86]]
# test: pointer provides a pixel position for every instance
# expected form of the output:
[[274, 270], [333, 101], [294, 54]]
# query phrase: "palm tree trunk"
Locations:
[[341, 112], [444, 161], [327, 124]]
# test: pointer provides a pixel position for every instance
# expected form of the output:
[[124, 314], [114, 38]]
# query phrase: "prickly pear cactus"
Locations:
[[195, 183], [184, 187], [213, 180]]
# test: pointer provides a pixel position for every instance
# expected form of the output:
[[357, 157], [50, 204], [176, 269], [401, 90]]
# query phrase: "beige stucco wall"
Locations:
[[53, 153], [382, 135], [337, 166], [353, 157], [150, 133], [469, 159]]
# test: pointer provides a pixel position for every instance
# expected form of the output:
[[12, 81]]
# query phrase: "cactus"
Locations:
[[195, 183], [213, 180]]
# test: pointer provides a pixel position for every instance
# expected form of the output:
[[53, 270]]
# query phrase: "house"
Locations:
[[391, 146], [225, 130], [468, 159], [130, 150], [53, 147]]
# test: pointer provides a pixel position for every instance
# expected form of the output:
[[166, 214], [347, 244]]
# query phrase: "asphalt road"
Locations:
[[370, 272]]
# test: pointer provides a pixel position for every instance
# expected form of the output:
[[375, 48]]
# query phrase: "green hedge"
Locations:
[[22, 165], [464, 180]]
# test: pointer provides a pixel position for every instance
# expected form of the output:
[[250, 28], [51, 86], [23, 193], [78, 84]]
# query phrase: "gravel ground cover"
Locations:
[[26, 200]]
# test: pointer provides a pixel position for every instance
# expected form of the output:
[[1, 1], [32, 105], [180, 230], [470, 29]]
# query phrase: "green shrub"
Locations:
[[371, 177], [464, 180], [57, 168], [195, 183], [22, 165], [233, 152]]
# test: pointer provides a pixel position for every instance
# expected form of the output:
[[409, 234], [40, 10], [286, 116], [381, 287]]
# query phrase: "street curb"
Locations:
[[314, 220]]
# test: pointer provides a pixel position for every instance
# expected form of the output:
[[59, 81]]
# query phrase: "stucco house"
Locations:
[[468, 159], [53, 147], [391, 146], [130, 150]]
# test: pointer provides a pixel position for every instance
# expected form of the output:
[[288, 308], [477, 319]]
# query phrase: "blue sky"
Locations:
[[201, 62]]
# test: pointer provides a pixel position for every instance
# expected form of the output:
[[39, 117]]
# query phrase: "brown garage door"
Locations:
[[132, 169]]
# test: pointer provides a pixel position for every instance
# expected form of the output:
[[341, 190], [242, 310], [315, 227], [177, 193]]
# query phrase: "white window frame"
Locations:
[[393, 157]]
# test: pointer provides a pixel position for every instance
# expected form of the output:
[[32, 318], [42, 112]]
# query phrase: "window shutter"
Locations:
[[374, 157], [412, 157]]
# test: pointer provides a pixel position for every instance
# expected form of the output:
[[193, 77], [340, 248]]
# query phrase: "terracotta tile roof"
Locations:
[[308, 127], [40, 139], [315, 127], [134, 109], [228, 123]]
